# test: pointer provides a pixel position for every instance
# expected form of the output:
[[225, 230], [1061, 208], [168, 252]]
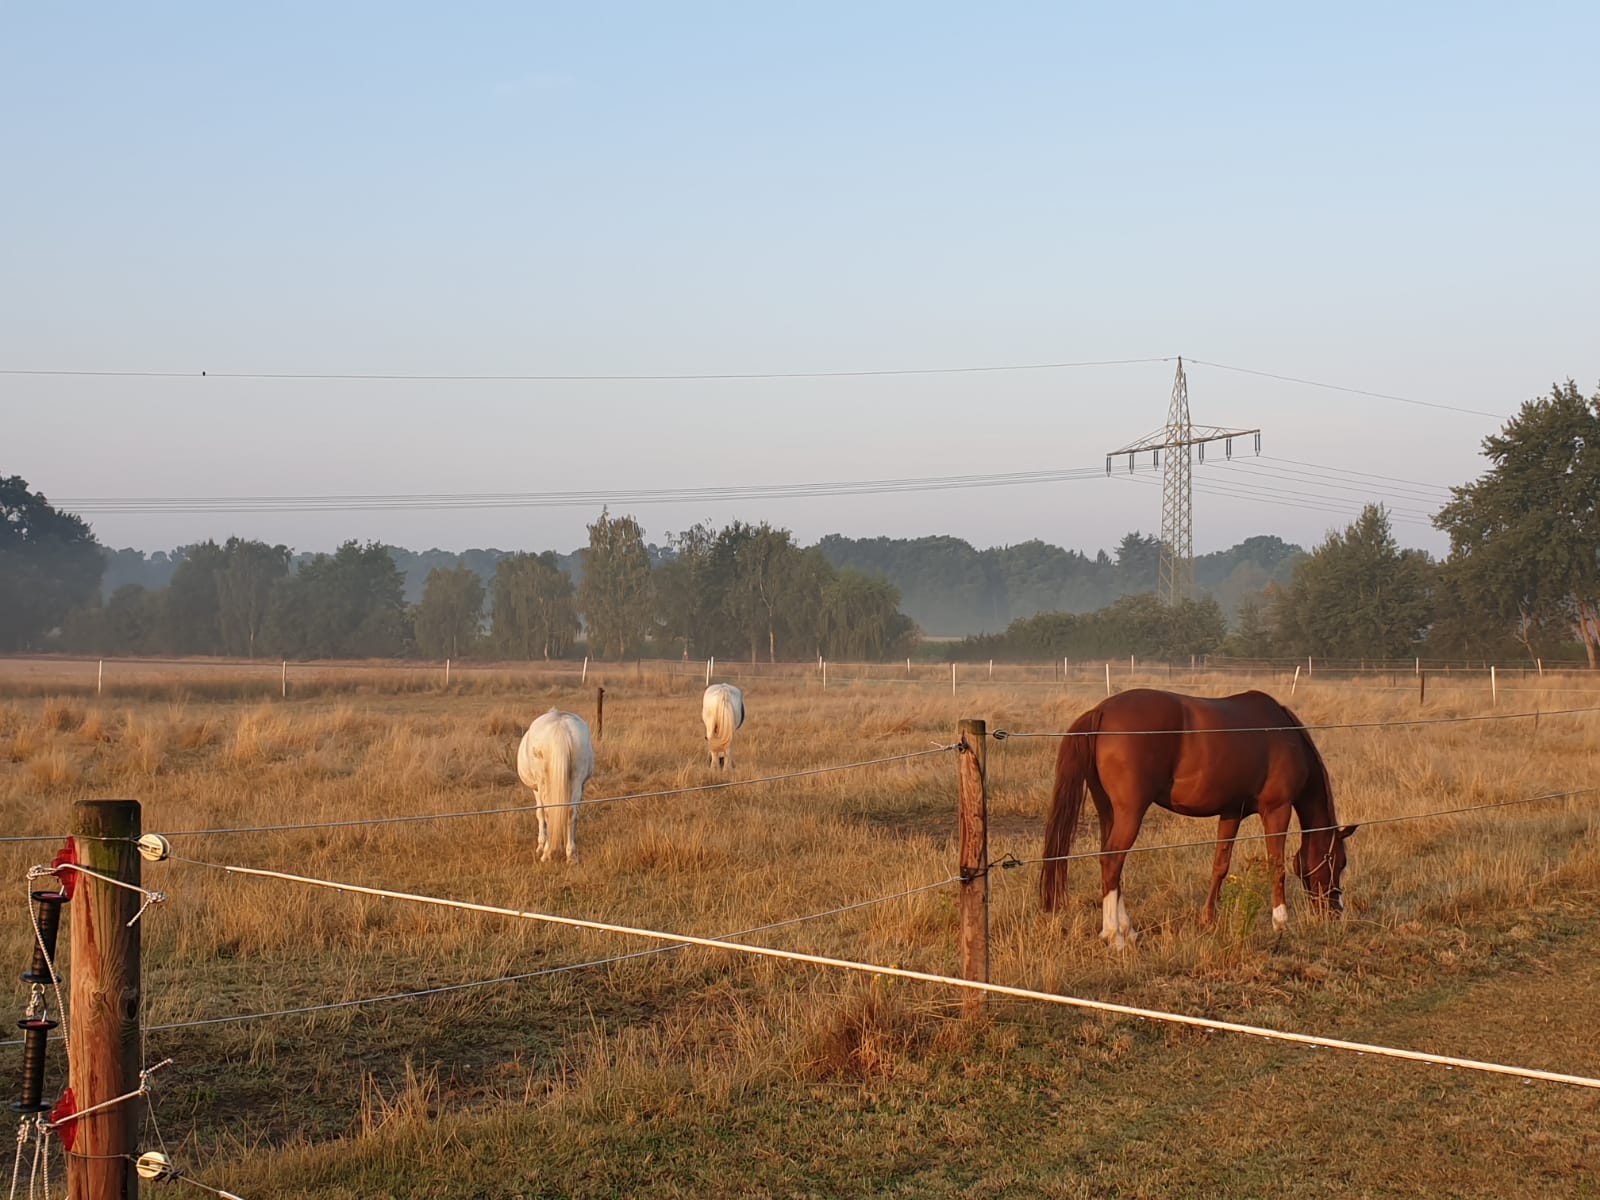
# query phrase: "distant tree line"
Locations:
[[1522, 579], [743, 590]]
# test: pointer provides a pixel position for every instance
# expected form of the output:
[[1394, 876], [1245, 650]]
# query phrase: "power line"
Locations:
[[1439, 487], [1283, 498], [717, 376], [433, 501], [708, 377], [1353, 391], [1363, 487]]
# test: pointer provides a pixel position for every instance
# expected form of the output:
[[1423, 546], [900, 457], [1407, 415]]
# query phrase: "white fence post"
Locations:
[[1295, 682]]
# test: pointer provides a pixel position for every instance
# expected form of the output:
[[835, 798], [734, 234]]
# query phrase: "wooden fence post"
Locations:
[[1422, 688], [100, 678], [599, 711], [283, 681], [972, 743], [103, 1052]]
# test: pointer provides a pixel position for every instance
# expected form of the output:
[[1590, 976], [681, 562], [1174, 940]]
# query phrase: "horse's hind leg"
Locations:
[[1227, 830], [1118, 831]]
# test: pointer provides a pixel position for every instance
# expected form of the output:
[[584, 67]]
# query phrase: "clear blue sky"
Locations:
[[1397, 198]]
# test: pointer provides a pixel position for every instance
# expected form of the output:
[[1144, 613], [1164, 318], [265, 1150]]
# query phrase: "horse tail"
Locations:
[[1075, 767], [555, 794]]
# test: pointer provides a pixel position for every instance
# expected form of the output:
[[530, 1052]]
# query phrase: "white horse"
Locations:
[[555, 759], [723, 711]]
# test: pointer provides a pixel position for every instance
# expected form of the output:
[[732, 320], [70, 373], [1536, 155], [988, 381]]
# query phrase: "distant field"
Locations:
[[698, 1073]]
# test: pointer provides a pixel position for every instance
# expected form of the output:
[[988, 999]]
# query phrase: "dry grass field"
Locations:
[[697, 1072]]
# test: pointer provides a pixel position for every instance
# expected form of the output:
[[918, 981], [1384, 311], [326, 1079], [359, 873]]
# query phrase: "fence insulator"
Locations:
[[47, 912], [35, 1040]]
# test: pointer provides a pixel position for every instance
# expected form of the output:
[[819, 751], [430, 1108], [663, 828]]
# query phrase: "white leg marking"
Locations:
[[1280, 916], [1108, 918], [1125, 926]]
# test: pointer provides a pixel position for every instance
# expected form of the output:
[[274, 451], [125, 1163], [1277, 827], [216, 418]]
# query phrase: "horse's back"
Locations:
[[1178, 751], [560, 734], [722, 703]]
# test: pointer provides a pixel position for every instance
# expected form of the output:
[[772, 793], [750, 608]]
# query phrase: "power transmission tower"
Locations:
[[1175, 578]]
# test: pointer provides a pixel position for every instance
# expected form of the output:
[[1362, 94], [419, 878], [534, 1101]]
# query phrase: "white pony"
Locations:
[[723, 711], [555, 759]]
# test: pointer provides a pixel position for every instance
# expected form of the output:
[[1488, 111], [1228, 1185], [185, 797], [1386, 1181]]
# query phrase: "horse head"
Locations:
[[1320, 863]]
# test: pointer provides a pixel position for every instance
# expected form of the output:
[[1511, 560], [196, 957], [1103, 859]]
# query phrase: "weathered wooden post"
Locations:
[[971, 745], [447, 674], [103, 1050], [100, 678], [599, 711], [283, 680], [1422, 688]]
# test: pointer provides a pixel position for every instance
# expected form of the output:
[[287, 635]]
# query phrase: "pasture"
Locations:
[[698, 1072]]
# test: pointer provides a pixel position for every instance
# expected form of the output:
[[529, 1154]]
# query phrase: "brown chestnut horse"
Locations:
[[1225, 758]]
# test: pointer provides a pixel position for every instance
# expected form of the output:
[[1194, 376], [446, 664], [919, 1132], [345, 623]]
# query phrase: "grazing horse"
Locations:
[[1227, 758], [723, 711], [555, 759]]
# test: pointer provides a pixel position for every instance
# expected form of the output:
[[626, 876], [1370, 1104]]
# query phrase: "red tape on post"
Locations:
[[68, 857], [65, 1108]]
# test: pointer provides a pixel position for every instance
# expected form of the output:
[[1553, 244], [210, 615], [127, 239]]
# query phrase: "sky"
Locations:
[[1392, 199]]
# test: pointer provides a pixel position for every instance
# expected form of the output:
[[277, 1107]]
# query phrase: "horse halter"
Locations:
[[1334, 896]]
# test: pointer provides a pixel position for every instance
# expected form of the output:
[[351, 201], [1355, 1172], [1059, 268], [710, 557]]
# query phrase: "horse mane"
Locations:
[[1324, 784]]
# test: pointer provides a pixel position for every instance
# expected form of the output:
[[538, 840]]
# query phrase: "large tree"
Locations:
[[534, 610], [49, 564], [860, 617], [1525, 536], [1358, 595], [616, 595], [349, 604], [757, 566], [687, 599], [245, 581], [449, 617]]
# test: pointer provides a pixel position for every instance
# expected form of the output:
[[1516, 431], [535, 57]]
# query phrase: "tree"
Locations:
[[191, 619], [1358, 595], [1524, 536], [1251, 636], [756, 564], [686, 593], [861, 619], [350, 604], [49, 564], [245, 580], [534, 611], [449, 617], [616, 595], [1138, 562]]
